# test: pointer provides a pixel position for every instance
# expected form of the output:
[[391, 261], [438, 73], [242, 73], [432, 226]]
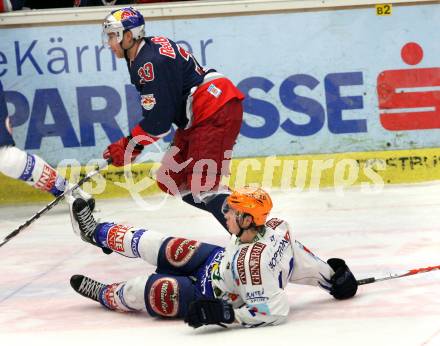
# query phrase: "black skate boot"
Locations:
[[87, 287], [86, 221], [91, 203]]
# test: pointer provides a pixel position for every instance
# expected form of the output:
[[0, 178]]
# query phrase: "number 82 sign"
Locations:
[[384, 9]]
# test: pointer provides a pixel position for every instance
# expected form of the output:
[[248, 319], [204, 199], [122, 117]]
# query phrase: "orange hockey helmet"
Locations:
[[253, 201]]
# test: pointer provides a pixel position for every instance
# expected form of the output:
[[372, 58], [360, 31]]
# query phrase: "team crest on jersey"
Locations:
[[214, 91], [164, 297], [180, 250], [148, 101], [146, 73]]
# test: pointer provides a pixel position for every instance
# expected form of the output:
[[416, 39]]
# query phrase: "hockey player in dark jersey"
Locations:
[[32, 169], [175, 90]]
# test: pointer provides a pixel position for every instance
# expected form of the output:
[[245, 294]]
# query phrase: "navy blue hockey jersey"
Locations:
[[174, 88]]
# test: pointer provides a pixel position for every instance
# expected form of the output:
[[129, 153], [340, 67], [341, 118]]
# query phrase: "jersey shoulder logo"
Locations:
[[148, 101], [274, 223]]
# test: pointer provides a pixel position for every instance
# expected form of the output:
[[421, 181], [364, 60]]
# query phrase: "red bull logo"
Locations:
[[126, 14], [148, 101]]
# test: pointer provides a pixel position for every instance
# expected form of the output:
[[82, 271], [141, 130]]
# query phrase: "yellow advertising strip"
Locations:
[[371, 169]]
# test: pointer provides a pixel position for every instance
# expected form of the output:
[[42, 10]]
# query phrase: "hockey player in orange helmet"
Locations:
[[203, 283], [250, 207], [253, 201]]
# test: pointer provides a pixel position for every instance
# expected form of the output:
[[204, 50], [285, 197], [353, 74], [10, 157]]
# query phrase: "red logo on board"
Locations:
[[409, 99]]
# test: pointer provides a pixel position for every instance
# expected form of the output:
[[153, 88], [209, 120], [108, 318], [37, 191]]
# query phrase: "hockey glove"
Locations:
[[344, 284], [209, 311], [116, 151]]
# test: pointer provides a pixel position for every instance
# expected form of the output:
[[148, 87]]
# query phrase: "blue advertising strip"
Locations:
[[327, 82]]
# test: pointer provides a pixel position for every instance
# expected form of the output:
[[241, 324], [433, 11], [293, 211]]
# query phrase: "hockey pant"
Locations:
[[182, 275], [199, 157]]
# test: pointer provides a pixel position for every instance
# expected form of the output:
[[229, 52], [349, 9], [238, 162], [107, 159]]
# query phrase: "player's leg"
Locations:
[[160, 295], [125, 240], [170, 175], [210, 147], [182, 256], [176, 256], [33, 170]]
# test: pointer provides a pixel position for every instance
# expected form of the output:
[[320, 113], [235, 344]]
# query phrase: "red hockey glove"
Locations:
[[116, 151]]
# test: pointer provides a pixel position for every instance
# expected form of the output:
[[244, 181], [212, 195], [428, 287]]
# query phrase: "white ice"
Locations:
[[390, 231]]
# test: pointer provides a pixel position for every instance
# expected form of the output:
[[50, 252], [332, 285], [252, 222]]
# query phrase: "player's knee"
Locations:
[[168, 296], [180, 253]]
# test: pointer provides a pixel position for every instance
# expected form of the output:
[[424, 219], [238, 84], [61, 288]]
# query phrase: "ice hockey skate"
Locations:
[[87, 287], [85, 222], [80, 193]]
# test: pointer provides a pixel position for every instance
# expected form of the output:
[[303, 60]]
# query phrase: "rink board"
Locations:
[[370, 169], [329, 81]]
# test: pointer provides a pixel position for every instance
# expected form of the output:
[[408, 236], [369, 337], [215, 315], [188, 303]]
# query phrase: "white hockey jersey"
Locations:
[[252, 276]]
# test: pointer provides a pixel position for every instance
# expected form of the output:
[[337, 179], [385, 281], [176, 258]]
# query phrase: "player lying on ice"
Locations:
[[208, 284]]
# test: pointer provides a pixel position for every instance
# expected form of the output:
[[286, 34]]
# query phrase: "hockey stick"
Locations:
[[396, 276], [48, 207]]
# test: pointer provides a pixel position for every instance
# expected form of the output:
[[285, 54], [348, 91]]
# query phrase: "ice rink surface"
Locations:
[[393, 230]]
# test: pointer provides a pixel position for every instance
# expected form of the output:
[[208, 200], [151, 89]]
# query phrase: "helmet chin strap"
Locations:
[[239, 220], [126, 49]]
